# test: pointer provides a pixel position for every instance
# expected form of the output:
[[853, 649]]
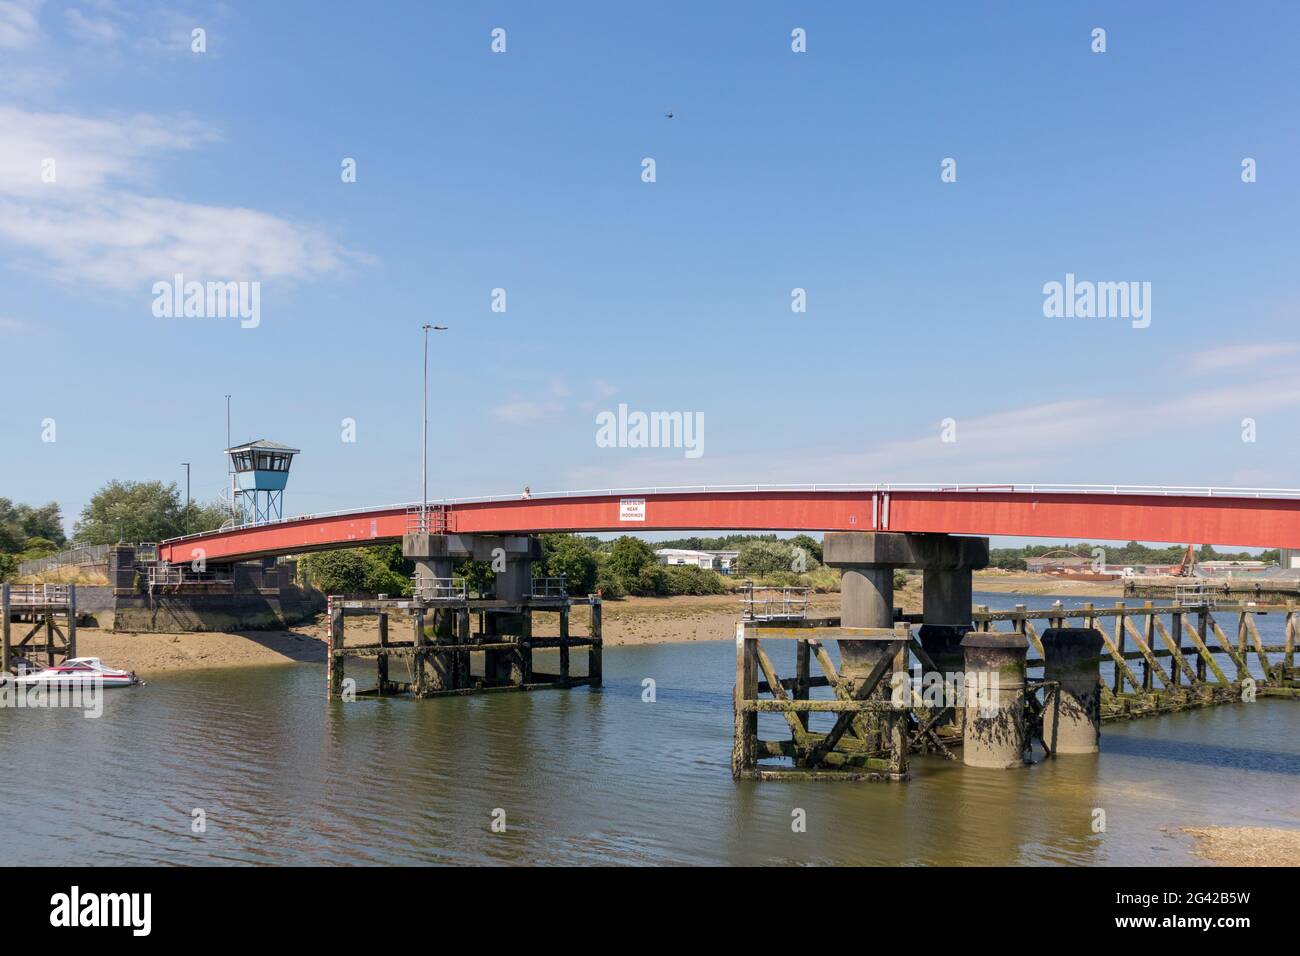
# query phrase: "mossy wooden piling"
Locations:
[[1156, 668], [437, 659]]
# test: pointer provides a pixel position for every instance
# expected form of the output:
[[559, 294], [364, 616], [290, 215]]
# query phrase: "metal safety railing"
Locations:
[[1194, 595], [425, 588], [759, 603], [549, 588], [431, 520], [163, 575], [37, 594]]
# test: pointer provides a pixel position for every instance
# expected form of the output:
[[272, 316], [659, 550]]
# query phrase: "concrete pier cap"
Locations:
[[995, 699], [867, 560], [1071, 657], [435, 554]]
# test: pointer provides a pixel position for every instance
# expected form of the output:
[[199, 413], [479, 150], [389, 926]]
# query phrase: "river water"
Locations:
[[279, 775]]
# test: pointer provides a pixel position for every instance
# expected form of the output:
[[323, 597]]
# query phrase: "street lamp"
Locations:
[[187, 496], [424, 432]]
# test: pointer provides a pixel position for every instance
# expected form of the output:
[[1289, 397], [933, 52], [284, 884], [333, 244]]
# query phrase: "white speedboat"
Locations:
[[79, 671]]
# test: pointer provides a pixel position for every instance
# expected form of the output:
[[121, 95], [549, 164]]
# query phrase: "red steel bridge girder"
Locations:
[[1179, 519]]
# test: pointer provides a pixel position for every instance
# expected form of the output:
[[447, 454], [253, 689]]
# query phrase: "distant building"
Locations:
[[724, 561], [1228, 569], [699, 559]]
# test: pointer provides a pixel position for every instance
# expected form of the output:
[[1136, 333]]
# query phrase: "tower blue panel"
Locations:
[[261, 472]]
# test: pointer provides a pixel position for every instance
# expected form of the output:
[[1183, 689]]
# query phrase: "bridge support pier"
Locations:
[[1072, 722], [995, 699], [442, 643], [868, 560], [514, 585]]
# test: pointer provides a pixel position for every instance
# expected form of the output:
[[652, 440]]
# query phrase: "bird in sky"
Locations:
[[669, 115]]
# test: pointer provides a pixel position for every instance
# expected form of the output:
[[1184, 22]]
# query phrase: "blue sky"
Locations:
[[522, 170]]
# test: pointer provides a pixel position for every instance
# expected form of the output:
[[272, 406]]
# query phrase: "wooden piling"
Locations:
[[7, 652], [803, 661], [595, 663], [381, 667], [746, 689], [564, 645], [1288, 649], [72, 622], [334, 669], [419, 684]]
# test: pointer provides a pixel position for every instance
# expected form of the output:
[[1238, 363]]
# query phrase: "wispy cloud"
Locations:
[[525, 412], [85, 226], [93, 29], [1023, 444], [1237, 356], [13, 326], [19, 23]]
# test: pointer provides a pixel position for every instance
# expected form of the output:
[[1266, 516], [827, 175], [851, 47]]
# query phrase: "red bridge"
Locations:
[[1245, 517]]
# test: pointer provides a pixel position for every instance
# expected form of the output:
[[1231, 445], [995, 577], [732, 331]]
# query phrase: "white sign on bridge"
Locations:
[[631, 509]]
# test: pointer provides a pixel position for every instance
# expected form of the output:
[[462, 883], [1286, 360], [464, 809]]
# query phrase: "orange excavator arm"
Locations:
[[1185, 566]]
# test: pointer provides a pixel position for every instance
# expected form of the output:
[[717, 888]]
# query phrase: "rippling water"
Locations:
[[588, 777]]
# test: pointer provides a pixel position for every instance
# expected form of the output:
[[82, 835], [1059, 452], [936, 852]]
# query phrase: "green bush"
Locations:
[[356, 571], [652, 581], [568, 556], [609, 586], [765, 557], [627, 559], [8, 567], [39, 548], [688, 579]]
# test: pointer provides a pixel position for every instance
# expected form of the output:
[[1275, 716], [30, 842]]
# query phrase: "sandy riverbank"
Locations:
[[1246, 846], [1025, 582]]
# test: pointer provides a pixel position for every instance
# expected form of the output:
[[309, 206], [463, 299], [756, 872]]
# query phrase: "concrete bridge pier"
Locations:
[[946, 606], [434, 559], [1070, 657], [995, 699], [868, 559], [514, 585]]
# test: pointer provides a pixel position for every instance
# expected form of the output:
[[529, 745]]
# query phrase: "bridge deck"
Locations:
[[1239, 517]]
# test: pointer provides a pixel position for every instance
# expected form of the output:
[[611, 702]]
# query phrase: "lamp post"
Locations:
[[187, 496], [424, 432], [230, 470]]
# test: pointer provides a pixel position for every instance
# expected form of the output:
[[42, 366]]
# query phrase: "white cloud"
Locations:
[[19, 23], [1235, 356], [525, 413], [12, 326], [85, 227], [92, 29], [1023, 445]]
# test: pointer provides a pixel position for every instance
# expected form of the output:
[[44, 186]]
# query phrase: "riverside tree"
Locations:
[[20, 523], [138, 511]]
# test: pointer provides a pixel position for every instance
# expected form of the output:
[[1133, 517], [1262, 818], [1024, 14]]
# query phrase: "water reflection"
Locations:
[[584, 777]]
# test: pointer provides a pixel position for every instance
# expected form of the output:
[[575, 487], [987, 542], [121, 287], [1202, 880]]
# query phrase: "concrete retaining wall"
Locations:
[[169, 613]]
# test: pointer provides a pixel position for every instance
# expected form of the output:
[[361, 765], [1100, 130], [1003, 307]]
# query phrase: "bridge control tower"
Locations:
[[261, 470]]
